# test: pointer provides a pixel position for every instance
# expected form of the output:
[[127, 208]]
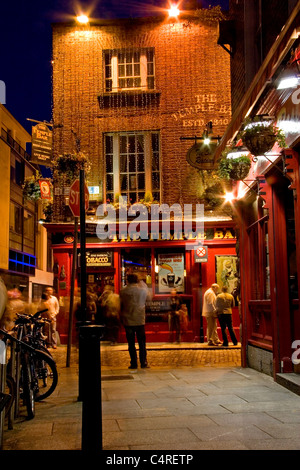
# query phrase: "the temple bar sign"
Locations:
[[201, 156], [41, 145]]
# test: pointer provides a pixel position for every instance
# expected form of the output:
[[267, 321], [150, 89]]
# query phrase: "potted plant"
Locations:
[[69, 164], [31, 187], [234, 168], [260, 136]]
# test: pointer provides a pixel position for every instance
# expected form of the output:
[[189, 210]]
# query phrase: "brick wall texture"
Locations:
[[192, 77]]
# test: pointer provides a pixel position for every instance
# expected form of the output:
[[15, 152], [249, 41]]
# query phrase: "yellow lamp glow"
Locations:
[[83, 19], [174, 11], [229, 197]]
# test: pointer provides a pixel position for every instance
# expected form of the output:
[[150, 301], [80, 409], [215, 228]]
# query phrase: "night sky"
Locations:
[[25, 38]]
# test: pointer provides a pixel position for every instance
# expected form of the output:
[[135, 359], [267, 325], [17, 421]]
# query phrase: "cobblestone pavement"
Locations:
[[162, 355], [176, 357]]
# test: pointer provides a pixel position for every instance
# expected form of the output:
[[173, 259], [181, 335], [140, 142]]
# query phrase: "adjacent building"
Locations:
[[25, 255], [264, 49]]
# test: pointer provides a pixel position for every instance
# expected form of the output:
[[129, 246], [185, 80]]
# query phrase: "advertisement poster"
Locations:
[[171, 272], [226, 272]]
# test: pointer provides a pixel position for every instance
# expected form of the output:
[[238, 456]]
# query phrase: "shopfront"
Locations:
[[162, 264]]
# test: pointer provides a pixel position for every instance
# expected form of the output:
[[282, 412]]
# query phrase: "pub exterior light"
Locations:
[[83, 19], [174, 11]]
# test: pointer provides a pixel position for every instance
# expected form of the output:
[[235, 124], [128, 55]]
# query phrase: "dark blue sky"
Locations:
[[25, 38]]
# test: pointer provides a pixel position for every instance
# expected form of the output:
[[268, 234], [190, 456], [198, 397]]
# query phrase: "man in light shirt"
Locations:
[[209, 311], [53, 312]]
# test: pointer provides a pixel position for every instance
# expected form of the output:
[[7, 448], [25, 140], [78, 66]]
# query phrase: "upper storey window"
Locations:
[[129, 70]]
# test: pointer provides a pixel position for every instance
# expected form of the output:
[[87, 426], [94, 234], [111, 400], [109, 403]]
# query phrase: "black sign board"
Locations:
[[201, 155], [100, 259], [41, 145]]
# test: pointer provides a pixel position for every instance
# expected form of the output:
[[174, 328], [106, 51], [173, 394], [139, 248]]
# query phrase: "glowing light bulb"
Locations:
[[174, 11], [83, 19], [206, 141], [229, 197]]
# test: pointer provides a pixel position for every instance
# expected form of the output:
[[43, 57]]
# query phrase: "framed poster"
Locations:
[[171, 272], [226, 272]]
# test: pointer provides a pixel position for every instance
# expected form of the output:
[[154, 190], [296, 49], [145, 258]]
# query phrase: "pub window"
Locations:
[[129, 69], [132, 165], [136, 262]]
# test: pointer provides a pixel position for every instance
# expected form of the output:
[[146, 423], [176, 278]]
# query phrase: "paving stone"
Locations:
[[189, 400]]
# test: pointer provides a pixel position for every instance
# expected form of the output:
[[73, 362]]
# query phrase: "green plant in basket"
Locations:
[[260, 136], [234, 168]]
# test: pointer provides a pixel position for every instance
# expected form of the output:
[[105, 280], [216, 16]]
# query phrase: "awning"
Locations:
[[278, 51]]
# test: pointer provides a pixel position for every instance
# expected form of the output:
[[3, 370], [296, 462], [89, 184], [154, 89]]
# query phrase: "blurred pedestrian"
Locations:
[[174, 316], [53, 311], [224, 304], [3, 297], [183, 315], [209, 311], [133, 316], [111, 306], [15, 304]]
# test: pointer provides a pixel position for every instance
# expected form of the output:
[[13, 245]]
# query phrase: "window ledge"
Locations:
[[128, 98]]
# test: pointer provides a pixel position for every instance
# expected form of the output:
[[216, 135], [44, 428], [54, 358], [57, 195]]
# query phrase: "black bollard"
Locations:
[[90, 386]]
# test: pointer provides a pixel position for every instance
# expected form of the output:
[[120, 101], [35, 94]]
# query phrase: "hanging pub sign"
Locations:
[[41, 145], [100, 259], [201, 156], [45, 188]]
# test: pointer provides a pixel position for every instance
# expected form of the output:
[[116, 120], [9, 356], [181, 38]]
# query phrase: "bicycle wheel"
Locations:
[[28, 385], [46, 375]]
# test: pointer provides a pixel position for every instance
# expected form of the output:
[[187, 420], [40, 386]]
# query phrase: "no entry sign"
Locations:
[[201, 254], [74, 198]]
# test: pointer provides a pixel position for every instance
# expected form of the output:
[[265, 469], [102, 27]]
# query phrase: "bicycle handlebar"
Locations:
[[22, 344]]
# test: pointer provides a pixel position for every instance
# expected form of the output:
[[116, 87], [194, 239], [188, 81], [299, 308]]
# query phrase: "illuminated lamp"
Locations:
[[229, 197], [174, 11], [83, 19], [290, 77]]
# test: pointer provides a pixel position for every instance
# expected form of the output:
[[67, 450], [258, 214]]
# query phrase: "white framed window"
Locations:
[[132, 165], [129, 69]]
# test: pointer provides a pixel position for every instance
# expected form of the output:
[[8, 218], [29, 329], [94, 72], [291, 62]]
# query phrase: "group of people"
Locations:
[[12, 302], [218, 306]]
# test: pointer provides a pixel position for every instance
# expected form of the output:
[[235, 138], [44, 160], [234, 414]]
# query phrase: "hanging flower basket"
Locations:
[[234, 168], [260, 137], [70, 164]]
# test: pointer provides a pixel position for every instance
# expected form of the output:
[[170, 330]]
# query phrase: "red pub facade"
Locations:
[[267, 211]]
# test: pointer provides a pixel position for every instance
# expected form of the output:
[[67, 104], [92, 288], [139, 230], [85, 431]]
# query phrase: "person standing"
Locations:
[[224, 304], [210, 313], [174, 316], [53, 312], [133, 316]]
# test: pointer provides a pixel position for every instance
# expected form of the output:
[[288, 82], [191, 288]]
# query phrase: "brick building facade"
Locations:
[[190, 86], [135, 93]]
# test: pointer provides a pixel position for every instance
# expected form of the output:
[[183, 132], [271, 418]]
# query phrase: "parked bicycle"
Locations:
[[33, 366]]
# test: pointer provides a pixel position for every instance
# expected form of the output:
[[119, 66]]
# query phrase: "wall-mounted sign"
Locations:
[[41, 145], [201, 254], [201, 156], [171, 272], [45, 189], [100, 259], [68, 238]]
